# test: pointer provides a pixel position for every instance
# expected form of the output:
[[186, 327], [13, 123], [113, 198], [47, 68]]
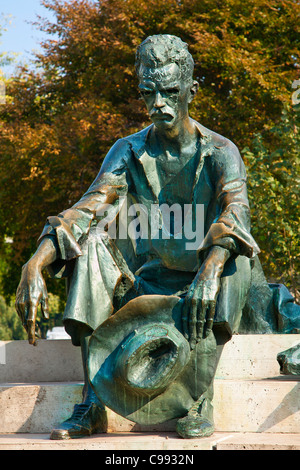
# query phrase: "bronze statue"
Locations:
[[170, 303]]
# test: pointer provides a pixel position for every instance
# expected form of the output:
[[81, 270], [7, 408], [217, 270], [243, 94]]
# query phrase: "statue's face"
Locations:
[[166, 95]]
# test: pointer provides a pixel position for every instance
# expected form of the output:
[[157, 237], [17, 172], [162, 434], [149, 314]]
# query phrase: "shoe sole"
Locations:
[[60, 435]]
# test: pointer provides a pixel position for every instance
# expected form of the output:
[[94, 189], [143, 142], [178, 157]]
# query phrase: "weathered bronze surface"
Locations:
[[150, 305], [289, 360], [143, 366]]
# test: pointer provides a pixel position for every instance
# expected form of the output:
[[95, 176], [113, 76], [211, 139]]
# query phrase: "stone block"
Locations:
[[258, 441], [240, 406], [35, 408], [49, 361], [244, 357], [253, 356]]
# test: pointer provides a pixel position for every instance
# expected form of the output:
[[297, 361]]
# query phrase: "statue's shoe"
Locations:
[[191, 427], [87, 419]]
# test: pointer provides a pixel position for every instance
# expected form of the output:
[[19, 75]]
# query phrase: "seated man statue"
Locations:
[[175, 162]]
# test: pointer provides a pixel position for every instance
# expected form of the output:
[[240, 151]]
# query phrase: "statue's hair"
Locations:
[[163, 49]]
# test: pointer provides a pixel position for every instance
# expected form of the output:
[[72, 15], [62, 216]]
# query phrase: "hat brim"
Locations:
[[177, 396]]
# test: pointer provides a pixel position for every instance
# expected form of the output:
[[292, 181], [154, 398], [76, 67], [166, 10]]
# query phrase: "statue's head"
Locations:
[[159, 51], [165, 68]]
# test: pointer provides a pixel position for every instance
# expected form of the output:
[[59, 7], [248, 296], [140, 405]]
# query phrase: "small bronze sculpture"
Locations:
[[289, 360], [151, 311]]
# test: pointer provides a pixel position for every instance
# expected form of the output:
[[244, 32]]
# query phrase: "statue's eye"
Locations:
[[172, 91], [146, 92]]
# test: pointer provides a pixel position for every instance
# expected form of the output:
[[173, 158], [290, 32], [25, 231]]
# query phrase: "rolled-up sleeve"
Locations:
[[72, 225]]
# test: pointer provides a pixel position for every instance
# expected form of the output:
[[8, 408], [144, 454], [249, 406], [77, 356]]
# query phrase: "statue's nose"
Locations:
[[159, 102]]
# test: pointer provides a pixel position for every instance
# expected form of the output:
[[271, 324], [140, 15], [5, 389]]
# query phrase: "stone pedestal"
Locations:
[[252, 401]]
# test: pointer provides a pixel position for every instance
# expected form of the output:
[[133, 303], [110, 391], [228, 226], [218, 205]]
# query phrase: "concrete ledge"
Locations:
[[245, 356], [49, 361], [259, 441], [162, 441], [240, 406], [269, 406], [253, 356], [35, 408], [108, 442]]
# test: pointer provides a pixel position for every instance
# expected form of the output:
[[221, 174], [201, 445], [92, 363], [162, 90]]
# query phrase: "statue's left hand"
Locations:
[[199, 308], [200, 302]]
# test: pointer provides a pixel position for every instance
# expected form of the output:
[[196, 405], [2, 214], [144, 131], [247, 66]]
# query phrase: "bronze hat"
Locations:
[[141, 366]]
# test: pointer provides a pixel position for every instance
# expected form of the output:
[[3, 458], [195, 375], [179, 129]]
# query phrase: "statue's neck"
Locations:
[[179, 140]]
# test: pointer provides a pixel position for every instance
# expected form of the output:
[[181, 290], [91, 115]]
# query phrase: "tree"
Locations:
[[62, 117], [11, 328], [274, 191]]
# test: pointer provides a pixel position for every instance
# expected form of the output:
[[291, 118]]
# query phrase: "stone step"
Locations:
[[244, 357], [118, 442], [268, 406], [49, 361], [258, 441]]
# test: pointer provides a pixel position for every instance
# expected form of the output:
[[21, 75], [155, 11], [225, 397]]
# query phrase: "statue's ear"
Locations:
[[193, 90]]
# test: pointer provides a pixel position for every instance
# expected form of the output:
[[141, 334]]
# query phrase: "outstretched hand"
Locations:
[[31, 293]]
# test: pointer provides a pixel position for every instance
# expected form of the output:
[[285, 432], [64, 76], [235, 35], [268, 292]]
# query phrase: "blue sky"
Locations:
[[20, 36]]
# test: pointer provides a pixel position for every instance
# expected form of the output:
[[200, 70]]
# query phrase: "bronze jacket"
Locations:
[[215, 179]]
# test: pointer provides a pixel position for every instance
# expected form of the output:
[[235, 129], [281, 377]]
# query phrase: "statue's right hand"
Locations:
[[31, 293]]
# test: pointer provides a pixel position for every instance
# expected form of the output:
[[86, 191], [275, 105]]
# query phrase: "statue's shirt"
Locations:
[[214, 179]]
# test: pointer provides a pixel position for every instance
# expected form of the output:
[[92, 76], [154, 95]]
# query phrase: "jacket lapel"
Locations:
[[148, 163]]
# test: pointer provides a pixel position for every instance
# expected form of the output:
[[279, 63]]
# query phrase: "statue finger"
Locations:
[[201, 315], [45, 308], [193, 323], [184, 319], [31, 311], [30, 327], [20, 309], [30, 319], [210, 318]]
